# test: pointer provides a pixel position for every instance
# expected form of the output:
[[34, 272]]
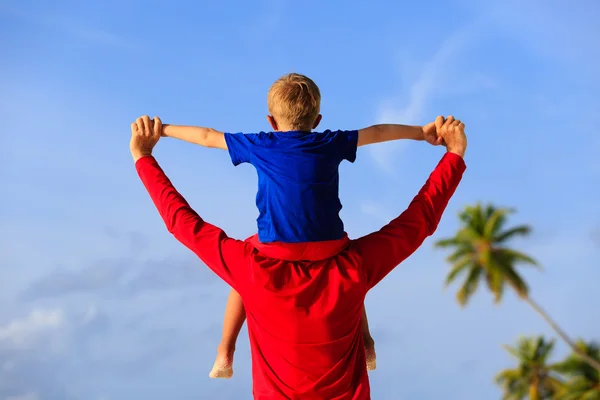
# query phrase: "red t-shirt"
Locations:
[[304, 301]]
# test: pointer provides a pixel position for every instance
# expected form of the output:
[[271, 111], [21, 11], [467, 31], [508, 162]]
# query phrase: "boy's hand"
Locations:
[[452, 131], [145, 133], [430, 134]]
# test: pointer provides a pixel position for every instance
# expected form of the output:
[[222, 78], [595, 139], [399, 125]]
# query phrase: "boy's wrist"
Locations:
[[166, 129]]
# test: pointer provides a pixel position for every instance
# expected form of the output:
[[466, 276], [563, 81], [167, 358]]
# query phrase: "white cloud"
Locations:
[[27, 396], [41, 351], [26, 331]]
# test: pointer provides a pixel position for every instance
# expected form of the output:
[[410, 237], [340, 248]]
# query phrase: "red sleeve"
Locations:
[[380, 252], [227, 257]]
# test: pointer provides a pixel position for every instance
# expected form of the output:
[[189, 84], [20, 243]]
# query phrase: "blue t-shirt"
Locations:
[[298, 181]]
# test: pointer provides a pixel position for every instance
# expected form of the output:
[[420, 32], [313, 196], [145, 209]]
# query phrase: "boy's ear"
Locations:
[[272, 122], [317, 121]]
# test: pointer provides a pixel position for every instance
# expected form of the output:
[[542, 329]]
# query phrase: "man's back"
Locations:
[[298, 181], [304, 322]]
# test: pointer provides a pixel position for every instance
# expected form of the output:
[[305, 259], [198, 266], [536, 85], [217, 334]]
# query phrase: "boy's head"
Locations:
[[294, 103]]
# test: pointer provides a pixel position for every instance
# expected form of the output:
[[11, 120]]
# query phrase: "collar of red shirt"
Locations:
[[309, 251]]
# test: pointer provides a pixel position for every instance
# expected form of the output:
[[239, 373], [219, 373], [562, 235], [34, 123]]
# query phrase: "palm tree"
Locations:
[[480, 253], [533, 376], [582, 381]]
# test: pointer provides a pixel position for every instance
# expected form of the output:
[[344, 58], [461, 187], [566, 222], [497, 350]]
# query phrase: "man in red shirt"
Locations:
[[304, 300]]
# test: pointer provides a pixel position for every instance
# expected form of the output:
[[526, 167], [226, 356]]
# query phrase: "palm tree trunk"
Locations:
[[593, 363], [533, 391]]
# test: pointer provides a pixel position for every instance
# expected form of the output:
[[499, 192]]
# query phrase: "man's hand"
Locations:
[[161, 127], [452, 131], [145, 133], [430, 134]]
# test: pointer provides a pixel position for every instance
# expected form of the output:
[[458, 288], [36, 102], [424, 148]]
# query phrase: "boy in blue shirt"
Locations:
[[298, 181]]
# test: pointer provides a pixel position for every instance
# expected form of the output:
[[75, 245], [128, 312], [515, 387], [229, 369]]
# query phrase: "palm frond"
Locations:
[[532, 371], [495, 282], [448, 242], [495, 220], [480, 237], [516, 281], [458, 269], [469, 286], [592, 394], [521, 230], [581, 380], [474, 218], [514, 351], [459, 253], [514, 256]]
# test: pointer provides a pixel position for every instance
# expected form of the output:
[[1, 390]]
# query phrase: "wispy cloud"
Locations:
[[122, 277], [26, 396], [376, 210], [431, 80], [61, 282]]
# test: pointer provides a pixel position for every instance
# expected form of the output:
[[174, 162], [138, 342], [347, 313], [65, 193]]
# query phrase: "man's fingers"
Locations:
[[147, 125], [140, 125], [157, 126], [456, 122], [449, 120], [439, 122], [134, 127]]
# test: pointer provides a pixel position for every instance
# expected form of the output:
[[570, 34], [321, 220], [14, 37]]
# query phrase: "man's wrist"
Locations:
[[458, 152], [139, 154]]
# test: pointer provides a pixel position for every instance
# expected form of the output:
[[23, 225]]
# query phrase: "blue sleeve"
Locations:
[[239, 146], [347, 142]]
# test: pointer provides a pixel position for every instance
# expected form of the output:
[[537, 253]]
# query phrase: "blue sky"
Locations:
[[98, 302]]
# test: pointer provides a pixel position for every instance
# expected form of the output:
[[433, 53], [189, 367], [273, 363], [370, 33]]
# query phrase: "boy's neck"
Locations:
[[289, 129]]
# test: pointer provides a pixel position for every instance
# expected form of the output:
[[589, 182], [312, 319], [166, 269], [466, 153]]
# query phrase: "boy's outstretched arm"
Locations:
[[225, 256], [383, 250], [386, 132], [206, 137]]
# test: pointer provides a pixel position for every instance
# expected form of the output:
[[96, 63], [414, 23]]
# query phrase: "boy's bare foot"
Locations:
[[223, 367], [371, 357]]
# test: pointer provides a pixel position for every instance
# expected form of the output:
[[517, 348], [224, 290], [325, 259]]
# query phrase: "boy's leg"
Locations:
[[235, 315], [369, 342]]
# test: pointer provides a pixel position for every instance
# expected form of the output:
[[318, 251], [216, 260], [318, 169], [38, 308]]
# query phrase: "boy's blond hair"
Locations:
[[294, 101]]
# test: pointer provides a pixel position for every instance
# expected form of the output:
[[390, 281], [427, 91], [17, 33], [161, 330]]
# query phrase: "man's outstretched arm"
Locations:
[[227, 257], [380, 252]]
